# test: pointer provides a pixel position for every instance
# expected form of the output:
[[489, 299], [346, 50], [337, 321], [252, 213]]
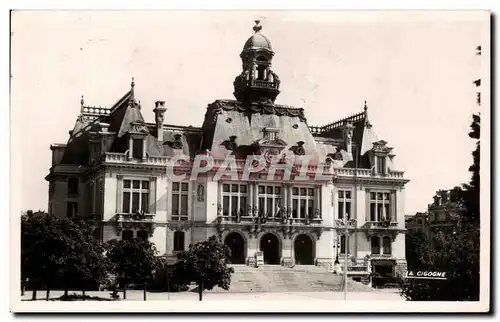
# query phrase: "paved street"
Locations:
[[134, 295]]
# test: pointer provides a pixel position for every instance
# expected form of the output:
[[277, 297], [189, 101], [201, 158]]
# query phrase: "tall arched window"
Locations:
[[142, 234], [178, 241], [127, 235], [387, 244], [375, 245]]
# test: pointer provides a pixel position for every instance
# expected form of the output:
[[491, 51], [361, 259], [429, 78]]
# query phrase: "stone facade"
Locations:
[[115, 170]]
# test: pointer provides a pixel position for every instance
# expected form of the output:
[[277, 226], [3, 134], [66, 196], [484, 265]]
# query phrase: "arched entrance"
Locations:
[[270, 246], [303, 248], [236, 244]]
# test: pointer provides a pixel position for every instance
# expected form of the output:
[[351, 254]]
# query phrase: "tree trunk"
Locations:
[[33, 295], [83, 293], [144, 293], [66, 292], [47, 294], [200, 291], [124, 291]]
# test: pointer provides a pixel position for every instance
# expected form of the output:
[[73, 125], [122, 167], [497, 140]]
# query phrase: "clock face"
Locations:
[[270, 154]]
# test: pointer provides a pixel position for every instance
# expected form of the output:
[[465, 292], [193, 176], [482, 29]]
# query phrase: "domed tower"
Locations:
[[257, 82]]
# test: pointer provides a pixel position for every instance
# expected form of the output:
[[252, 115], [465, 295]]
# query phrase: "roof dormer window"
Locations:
[[137, 148], [381, 165]]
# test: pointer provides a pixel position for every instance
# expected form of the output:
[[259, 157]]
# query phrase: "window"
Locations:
[[269, 200], [135, 196], [142, 234], [387, 244], [261, 69], [380, 206], [234, 199], [72, 185], [344, 204], [180, 195], [72, 209], [137, 152], [419, 221], [375, 245], [302, 202], [381, 165], [178, 241], [127, 235], [343, 244]]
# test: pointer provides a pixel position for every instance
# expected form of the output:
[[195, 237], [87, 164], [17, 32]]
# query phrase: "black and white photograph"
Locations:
[[250, 161]]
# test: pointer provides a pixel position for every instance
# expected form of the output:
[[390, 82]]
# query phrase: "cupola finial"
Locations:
[[82, 101], [367, 122], [132, 84], [257, 27]]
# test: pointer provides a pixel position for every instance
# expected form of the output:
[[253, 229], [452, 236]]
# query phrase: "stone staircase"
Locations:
[[300, 278]]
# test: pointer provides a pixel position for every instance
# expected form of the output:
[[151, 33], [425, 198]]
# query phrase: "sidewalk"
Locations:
[[136, 295]]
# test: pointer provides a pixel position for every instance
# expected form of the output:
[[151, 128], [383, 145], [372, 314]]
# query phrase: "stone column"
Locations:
[[284, 200], [287, 258], [250, 199], [317, 200], [219, 198], [255, 187], [144, 149], [119, 193], [289, 198], [130, 146]]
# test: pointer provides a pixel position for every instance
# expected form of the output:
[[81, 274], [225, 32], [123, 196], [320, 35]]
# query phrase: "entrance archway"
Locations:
[[236, 243], [303, 249], [270, 246]]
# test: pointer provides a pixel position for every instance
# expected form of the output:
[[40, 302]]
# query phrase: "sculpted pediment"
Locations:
[[138, 128]]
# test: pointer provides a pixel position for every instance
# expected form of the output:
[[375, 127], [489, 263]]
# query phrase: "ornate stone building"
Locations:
[[114, 169]]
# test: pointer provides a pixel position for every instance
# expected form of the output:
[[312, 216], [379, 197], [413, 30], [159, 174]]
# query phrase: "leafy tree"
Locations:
[[457, 254], [43, 250], [133, 261], [417, 244], [86, 263], [205, 264], [58, 251]]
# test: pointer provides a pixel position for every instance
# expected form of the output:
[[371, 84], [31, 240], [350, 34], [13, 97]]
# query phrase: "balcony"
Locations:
[[380, 224], [247, 217], [263, 84], [179, 217], [134, 217], [123, 158], [366, 173]]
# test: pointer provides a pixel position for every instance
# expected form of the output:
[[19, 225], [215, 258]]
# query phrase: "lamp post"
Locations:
[[345, 226], [336, 245]]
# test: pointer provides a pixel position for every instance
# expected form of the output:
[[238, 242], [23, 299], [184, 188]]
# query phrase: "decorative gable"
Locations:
[[378, 155], [270, 145], [138, 128]]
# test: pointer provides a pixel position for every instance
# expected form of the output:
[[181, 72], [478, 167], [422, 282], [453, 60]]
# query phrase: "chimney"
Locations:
[[159, 111], [57, 153], [348, 133]]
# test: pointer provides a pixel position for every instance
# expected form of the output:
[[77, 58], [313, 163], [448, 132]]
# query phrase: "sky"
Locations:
[[414, 69]]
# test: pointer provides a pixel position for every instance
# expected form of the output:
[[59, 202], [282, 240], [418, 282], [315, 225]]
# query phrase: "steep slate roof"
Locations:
[[226, 118], [361, 134]]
